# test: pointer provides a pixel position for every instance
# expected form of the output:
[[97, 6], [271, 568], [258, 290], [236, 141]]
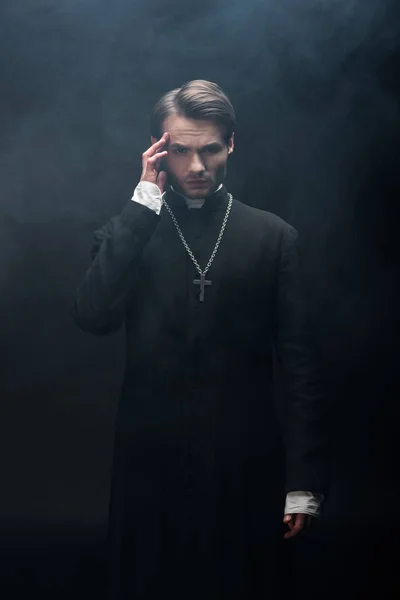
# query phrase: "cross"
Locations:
[[201, 282]]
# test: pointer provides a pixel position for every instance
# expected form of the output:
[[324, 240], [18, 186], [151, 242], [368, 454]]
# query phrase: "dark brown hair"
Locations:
[[197, 99]]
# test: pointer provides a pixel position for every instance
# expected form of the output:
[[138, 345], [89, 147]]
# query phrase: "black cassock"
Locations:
[[200, 473]]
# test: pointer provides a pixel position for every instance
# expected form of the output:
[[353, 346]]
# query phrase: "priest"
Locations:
[[211, 469]]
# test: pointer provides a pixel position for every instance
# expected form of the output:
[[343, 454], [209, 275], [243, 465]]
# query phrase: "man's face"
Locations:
[[196, 153]]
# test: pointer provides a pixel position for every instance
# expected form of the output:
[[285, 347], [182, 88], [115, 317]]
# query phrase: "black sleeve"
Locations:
[[110, 282], [306, 426]]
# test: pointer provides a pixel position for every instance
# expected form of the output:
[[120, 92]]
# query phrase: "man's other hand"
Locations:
[[297, 522]]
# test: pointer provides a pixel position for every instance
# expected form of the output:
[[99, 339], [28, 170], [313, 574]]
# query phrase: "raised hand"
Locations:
[[151, 163]]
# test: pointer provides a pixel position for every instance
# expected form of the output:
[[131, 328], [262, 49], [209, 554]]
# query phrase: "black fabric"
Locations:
[[200, 472]]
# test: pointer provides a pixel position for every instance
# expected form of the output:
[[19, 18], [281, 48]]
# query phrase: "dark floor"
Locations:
[[349, 563]]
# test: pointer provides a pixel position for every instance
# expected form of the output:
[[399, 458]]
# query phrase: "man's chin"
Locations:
[[197, 191]]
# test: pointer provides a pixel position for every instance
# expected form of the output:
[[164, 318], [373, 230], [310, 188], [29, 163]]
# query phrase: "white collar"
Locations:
[[193, 202]]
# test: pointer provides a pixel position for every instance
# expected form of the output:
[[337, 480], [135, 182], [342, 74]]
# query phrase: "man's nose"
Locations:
[[196, 165]]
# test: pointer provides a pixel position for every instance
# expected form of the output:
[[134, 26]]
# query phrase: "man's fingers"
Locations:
[[296, 524], [152, 163], [288, 519], [153, 159], [295, 531], [156, 146]]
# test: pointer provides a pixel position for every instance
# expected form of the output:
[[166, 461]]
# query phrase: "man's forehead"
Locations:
[[187, 139], [183, 131]]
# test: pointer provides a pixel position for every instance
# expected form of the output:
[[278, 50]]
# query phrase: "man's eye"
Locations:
[[179, 150]]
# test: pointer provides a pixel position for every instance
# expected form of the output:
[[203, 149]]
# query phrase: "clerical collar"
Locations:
[[212, 202]]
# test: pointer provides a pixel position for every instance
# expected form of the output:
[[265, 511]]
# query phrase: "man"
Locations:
[[205, 465]]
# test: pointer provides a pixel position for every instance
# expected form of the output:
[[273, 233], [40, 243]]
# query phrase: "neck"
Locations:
[[193, 202]]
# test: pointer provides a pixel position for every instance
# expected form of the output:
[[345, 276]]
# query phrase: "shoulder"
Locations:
[[271, 224]]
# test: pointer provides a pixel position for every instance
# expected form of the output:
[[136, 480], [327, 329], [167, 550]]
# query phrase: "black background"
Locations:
[[315, 86]]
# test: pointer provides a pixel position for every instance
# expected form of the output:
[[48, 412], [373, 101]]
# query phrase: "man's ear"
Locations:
[[231, 143], [153, 140]]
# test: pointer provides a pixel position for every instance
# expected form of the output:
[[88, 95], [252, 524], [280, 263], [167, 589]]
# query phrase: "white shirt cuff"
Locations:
[[149, 195], [304, 502]]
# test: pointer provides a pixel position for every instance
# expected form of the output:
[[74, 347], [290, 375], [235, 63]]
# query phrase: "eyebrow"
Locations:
[[210, 145]]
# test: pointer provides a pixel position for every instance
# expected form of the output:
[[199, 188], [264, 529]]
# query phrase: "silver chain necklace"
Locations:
[[202, 282]]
